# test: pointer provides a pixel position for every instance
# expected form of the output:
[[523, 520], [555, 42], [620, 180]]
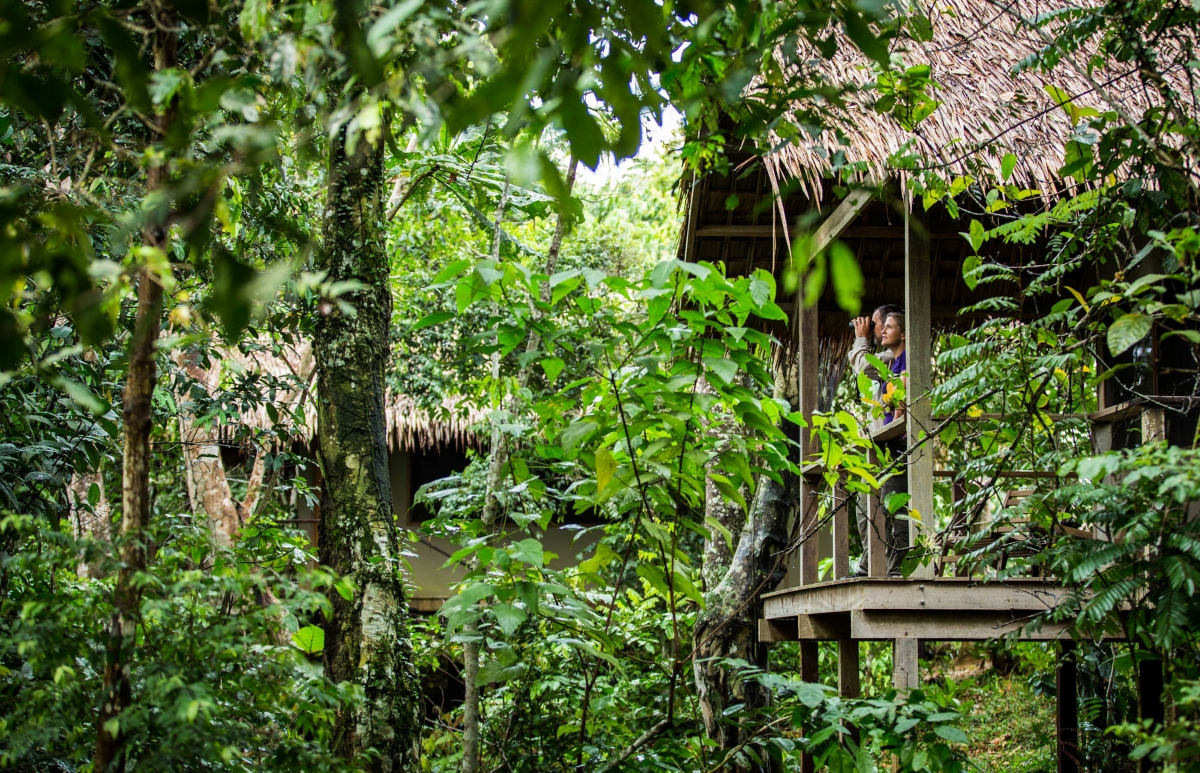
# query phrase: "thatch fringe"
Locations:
[[985, 113], [410, 426]]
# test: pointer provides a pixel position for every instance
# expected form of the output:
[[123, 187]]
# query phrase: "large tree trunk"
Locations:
[[136, 413], [727, 628], [366, 640]]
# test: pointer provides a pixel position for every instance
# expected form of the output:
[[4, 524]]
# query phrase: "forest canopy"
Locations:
[[408, 386]]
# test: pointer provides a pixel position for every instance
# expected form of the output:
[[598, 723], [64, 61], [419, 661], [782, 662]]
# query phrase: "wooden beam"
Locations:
[[782, 629], [949, 626], [841, 531], [806, 332], [693, 214], [905, 676], [888, 432], [883, 594], [822, 627], [840, 218], [919, 334], [849, 684], [876, 547], [1154, 424]]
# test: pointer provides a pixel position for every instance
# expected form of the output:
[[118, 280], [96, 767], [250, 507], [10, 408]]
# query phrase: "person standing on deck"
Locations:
[[896, 529], [867, 336]]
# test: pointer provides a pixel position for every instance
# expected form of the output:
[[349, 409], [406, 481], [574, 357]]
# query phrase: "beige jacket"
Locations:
[[857, 359]]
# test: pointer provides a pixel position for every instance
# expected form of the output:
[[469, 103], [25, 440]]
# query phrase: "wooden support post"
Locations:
[[905, 674], [919, 346], [1067, 719], [807, 344], [849, 685], [876, 546], [841, 532], [1154, 424], [808, 673], [1102, 443]]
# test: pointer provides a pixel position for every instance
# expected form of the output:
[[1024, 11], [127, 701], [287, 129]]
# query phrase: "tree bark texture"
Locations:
[[207, 482], [137, 415], [366, 640], [727, 627], [88, 520]]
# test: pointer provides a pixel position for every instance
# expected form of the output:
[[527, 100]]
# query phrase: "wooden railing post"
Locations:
[[919, 336]]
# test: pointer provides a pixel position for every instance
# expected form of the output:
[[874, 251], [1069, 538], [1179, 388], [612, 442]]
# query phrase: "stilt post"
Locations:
[[905, 674]]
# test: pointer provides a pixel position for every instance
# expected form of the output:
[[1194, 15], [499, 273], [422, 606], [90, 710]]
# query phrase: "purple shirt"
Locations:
[[897, 366]]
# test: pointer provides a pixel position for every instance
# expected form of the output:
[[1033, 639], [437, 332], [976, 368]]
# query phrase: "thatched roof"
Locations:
[[411, 427], [985, 112]]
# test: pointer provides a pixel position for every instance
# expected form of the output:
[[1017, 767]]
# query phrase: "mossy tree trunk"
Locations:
[[728, 625], [366, 640]]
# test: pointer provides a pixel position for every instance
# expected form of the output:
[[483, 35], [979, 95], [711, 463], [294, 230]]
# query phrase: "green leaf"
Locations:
[[451, 271], [1007, 165], [165, 84], [553, 366], [1127, 331], [429, 320], [847, 278], [576, 433], [762, 287], [583, 133], [82, 395], [498, 672], [976, 237], [528, 551], [606, 465], [253, 21], [726, 370], [1077, 160], [509, 617], [310, 640], [951, 734], [859, 31], [970, 266]]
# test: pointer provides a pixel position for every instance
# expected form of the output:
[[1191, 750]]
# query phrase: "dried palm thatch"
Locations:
[[411, 427], [985, 110]]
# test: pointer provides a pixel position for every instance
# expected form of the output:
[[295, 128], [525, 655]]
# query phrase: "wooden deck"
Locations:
[[943, 609]]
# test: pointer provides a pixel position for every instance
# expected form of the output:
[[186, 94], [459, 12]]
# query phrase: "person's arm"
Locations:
[[857, 356]]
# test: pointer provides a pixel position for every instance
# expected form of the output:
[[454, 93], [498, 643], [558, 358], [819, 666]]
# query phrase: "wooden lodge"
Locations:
[[750, 218]]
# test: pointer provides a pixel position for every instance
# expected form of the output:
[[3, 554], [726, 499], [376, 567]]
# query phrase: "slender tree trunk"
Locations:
[[366, 640], [497, 461], [727, 627], [491, 516], [136, 413]]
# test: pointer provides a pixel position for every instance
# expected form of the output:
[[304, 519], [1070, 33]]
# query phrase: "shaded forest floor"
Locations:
[[1009, 716]]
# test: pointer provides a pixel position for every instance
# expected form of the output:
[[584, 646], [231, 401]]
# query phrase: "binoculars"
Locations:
[[870, 325]]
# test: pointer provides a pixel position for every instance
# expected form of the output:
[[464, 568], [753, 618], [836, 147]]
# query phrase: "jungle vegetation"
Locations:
[[404, 190]]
